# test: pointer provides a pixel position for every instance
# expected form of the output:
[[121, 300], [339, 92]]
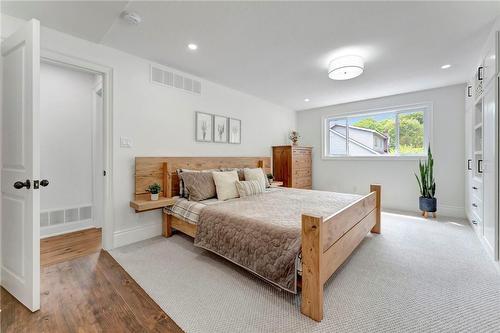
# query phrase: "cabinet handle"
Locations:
[[469, 164], [480, 73], [474, 222], [480, 166], [474, 188], [469, 91], [474, 205]]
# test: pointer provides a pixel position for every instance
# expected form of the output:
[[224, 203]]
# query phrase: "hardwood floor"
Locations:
[[69, 246], [91, 293]]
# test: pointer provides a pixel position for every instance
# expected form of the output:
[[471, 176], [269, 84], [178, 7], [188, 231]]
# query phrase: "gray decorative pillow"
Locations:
[[200, 185], [183, 191]]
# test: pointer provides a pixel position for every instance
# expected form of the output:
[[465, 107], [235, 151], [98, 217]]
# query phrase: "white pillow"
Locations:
[[256, 174], [225, 184]]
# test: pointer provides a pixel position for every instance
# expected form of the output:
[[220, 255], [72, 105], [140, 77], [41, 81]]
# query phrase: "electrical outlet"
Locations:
[[125, 142]]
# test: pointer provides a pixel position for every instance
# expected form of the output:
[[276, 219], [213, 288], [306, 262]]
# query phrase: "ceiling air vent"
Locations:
[[174, 80]]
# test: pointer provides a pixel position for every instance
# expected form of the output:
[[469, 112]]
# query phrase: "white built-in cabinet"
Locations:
[[482, 147]]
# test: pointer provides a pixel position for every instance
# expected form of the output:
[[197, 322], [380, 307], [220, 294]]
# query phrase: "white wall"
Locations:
[[160, 122], [66, 148], [399, 187], [66, 107]]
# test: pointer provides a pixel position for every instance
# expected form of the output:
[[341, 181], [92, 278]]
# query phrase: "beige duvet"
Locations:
[[262, 232]]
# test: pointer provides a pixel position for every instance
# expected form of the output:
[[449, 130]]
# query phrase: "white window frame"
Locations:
[[428, 117]]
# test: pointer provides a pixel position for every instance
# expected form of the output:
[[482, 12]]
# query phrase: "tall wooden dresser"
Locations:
[[293, 166]]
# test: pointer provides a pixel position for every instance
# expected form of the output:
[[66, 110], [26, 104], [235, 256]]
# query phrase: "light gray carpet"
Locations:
[[417, 276]]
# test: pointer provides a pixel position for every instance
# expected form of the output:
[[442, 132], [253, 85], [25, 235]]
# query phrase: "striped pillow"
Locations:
[[249, 187]]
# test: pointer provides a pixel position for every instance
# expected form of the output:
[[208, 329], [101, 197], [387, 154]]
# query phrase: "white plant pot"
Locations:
[[154, 197]]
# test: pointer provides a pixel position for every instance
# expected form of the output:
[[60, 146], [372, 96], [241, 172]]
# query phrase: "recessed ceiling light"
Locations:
[[345, 68], [446, 66], [192, 46], [306, 99]]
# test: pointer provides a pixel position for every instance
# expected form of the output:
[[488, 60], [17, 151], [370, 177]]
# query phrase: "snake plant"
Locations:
[[426, 182]]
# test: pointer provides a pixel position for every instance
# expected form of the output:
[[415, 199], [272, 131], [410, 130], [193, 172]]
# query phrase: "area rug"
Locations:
[[417, 276]]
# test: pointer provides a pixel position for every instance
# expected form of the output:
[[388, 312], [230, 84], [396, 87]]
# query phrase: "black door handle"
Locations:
[[44, 182], [19, 185]]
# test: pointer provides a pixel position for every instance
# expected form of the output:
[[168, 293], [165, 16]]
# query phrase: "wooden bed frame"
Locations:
[[326, 242]]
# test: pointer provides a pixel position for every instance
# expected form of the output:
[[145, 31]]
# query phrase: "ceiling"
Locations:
[[279, 51]]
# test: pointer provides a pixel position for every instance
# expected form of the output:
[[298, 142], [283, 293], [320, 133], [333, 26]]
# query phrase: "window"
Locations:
[[402, 131]]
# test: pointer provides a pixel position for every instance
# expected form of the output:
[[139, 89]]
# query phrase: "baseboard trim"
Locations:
[[135, 234], [451, 211], [442, 210], [64, 228]]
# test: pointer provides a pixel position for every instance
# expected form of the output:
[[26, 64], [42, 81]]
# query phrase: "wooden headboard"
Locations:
[[163, 170]]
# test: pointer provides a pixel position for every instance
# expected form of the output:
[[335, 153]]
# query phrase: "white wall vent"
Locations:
[[60, 216], [71, 215], [175, 80]]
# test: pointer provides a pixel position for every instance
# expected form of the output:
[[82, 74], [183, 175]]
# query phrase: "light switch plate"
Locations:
[[125, 142]]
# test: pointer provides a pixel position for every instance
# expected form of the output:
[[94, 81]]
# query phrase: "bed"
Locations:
[[295, 239]]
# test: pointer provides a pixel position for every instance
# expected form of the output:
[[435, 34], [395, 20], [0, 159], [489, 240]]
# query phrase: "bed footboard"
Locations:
[[328, 242]]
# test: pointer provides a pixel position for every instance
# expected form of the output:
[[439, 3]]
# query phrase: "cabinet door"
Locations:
[[489, 61], [282, 168], [490, 169], [468, 160]]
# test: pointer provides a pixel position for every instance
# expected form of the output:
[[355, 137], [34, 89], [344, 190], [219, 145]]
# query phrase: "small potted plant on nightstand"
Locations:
[[427, 186], [154, 189], [270, 177]]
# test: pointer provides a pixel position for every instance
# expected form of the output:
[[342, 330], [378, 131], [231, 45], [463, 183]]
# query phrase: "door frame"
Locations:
[[97, 150], [107, 109]]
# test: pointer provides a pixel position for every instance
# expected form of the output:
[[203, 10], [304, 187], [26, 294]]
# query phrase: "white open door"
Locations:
[[20, 267]]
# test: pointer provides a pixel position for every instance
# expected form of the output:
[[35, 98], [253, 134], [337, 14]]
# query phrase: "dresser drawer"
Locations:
[[476, 190], [301, 152], [302, 163], [477, 208], [302, 172], [302, 182], [476, 221]]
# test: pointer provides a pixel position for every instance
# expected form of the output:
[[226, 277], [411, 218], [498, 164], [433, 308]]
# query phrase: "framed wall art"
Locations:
[[204, 127], [234, 131], [220, 129]]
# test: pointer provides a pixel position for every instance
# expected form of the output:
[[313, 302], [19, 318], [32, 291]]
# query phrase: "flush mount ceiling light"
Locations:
[[306, 100], [446, 66], [346, 67], [131, 17], [192, 47]]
